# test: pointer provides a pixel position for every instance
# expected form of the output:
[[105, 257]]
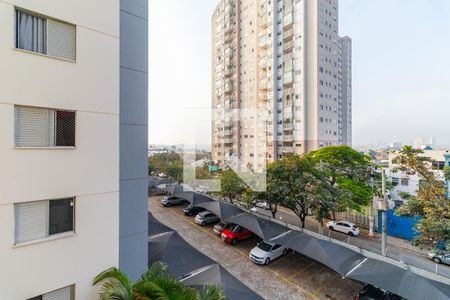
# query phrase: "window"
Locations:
[[41, 219], [42, 127], [45, 35], [66, 293], [405, 181]]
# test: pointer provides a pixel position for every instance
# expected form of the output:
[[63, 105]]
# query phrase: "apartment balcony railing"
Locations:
[[287, 114], [228, 88], [288, 35], [264, 42], [287, 47], [288, 126], [288, 149], [264, 62], [228, 71], [288, 138], [288, 21], [264, 85]]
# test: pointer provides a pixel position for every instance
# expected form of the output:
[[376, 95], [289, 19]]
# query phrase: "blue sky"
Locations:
[[401, 69]]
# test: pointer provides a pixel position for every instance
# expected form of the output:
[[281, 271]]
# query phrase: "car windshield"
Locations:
[[235, 228], [190, 206], [264, 246]]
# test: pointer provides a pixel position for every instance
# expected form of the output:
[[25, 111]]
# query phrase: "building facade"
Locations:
[[65, 102], [285, 63]]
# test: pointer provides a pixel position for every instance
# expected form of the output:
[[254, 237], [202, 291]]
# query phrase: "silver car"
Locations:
[[440, 257], [205, 217], [171, 200]]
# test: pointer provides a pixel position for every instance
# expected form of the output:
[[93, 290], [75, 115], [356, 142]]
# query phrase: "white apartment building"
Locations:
[[285, 59], [60, 116], [409, 183]]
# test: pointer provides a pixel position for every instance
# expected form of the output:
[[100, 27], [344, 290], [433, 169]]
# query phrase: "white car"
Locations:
[[344, 227], [266, 252], [263, 204]]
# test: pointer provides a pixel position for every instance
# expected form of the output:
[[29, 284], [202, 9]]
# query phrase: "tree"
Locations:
[[231, 185], [170, 164], [155, 284], [429, 203], [347, 171]]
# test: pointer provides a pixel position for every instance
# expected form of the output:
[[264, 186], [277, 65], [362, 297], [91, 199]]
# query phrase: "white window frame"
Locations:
[[32, 13]]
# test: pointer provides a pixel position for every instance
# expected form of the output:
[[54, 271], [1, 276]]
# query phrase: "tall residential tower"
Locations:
[[283, 59]]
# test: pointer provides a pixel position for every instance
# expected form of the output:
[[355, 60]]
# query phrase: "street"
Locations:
[[290, 277], [396, 252]]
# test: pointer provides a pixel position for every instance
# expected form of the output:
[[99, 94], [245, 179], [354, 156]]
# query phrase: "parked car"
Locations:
[[192, 210], [440, 257], [235, 234], [262, 204], [172, 200], [266, 252], [221, 226], [206, 218], [344, 227], [370, 292]]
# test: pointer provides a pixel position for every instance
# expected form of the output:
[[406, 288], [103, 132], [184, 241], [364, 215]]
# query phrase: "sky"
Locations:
[[401, 70]]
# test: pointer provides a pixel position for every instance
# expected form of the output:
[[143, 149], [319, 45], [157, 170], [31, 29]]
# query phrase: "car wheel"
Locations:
[[351, 233], [331, 228], [168, 205], [234, 242], [437, 260], [285, 252], [267, 261], [203, 223]]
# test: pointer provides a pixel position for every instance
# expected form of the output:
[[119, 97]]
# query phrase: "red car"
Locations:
[[235, 234]]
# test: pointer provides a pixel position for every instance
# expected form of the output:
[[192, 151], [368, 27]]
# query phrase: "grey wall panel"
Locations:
[[135, 208], [133, 255], [133, 149], [133, 42], [135, 7], [134, 97]]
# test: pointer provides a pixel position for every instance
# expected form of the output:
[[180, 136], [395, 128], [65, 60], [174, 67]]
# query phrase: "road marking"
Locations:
[[287, 280]]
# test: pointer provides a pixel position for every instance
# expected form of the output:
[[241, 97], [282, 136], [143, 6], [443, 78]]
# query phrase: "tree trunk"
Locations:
[[273, 210], [302, 219], [321, 226]]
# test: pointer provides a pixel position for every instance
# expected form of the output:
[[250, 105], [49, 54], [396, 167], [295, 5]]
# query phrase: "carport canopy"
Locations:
[[155, 227], [180, 257], [336, 257], [217, 275], [193, 197], [399, 281], [221, 209], [265, 229]]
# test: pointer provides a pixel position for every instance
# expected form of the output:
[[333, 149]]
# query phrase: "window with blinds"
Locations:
[[66, 293], [41, 219], [43, 127], [45, 35]]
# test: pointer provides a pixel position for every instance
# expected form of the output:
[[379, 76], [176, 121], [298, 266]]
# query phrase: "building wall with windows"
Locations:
[[283, 58], [49, 245]]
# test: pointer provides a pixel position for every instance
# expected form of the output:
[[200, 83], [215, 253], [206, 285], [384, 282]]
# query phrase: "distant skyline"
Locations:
[[400, 70]]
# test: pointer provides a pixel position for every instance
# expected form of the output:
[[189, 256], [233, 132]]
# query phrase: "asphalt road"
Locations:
[[413, 258]]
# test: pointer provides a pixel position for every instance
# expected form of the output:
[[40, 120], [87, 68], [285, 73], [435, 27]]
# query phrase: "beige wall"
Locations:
[[90, 172]]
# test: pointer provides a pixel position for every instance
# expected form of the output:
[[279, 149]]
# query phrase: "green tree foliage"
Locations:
[[231, 185], [348, 173], [170, 164], [155, 284], [429, 204]]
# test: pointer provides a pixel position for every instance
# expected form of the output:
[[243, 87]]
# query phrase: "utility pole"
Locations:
[[371, 218], [383, 214]]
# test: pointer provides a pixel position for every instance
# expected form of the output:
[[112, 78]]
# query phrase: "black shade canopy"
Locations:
[[193, 197], [174, 189], [180, 257], [155, 227], [263, 228], [399, 281], [336, 257], [221, 209], [216, 274]]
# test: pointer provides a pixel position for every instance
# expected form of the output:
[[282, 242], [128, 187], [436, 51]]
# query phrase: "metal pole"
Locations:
[[371, 218], [383, 214]]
